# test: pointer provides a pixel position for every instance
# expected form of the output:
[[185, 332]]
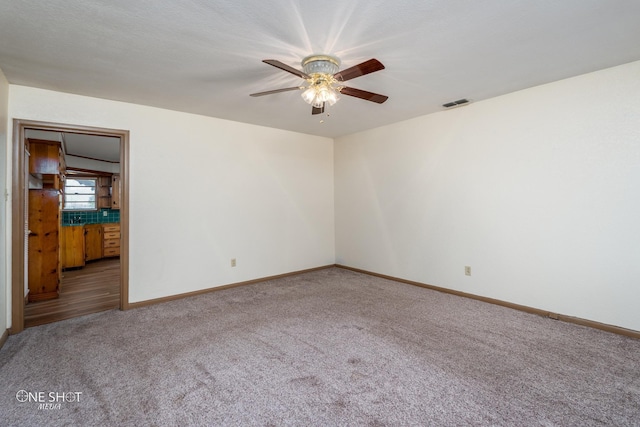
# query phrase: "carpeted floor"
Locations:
[[331, 347]]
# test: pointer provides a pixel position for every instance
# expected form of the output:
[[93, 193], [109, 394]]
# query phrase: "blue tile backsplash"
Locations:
[[90, 217]]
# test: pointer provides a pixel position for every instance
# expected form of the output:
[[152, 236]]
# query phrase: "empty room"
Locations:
[[334, 213]]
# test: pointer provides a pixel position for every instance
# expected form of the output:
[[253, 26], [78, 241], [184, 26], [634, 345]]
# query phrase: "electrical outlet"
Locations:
[[104, 213], [233, 262], [467, 270]]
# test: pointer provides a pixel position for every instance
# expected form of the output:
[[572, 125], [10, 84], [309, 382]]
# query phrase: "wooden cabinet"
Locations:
[[43, 244], [92, 241], [46, 161], [103, 190], [116, 189], [110, 240], [80, 244], [72, 246], [46, 157]]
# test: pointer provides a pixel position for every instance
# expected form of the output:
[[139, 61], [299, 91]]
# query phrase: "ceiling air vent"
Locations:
[[457, 103]]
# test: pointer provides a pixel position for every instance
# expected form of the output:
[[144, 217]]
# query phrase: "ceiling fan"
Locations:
[[323, 81]]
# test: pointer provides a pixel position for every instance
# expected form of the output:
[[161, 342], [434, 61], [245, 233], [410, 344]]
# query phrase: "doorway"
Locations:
[[19, 209]]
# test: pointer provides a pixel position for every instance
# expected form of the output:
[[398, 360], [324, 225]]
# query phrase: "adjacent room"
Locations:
[[360, 213]]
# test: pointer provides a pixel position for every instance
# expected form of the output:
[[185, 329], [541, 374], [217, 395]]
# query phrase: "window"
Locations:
[[80, 194]]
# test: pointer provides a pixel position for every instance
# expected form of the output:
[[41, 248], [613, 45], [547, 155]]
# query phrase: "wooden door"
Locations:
[[44, 222], [72, 246], [93, 241]]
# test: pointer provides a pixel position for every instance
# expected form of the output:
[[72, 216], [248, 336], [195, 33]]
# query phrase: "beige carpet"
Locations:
[[331, 347]]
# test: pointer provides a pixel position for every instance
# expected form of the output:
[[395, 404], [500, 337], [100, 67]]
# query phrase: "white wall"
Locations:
[[5, 289], [538, 191], [205, 190]]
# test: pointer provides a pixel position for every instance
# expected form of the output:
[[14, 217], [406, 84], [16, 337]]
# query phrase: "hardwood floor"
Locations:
[[93, 288]]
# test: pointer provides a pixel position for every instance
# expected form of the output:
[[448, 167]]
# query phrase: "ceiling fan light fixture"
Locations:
[[309, 95], [320, 91], [322, 85], [333, 97], [328, 94]]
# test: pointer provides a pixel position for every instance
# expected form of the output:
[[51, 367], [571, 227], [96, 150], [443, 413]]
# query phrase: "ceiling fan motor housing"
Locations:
[[320, 64]]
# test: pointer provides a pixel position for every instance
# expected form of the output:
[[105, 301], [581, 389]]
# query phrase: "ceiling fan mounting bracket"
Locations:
[[320, 57]]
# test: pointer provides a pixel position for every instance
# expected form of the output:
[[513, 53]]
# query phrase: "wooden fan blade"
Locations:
[[285, 67], [316, 110], [363, 94], [269, 92], [366, 67]]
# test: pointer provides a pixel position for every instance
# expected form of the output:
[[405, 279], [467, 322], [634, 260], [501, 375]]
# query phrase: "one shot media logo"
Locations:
[[48, 400]]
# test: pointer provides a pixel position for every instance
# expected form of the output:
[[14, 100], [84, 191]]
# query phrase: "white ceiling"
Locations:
[[204, 56], [92, 147]]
